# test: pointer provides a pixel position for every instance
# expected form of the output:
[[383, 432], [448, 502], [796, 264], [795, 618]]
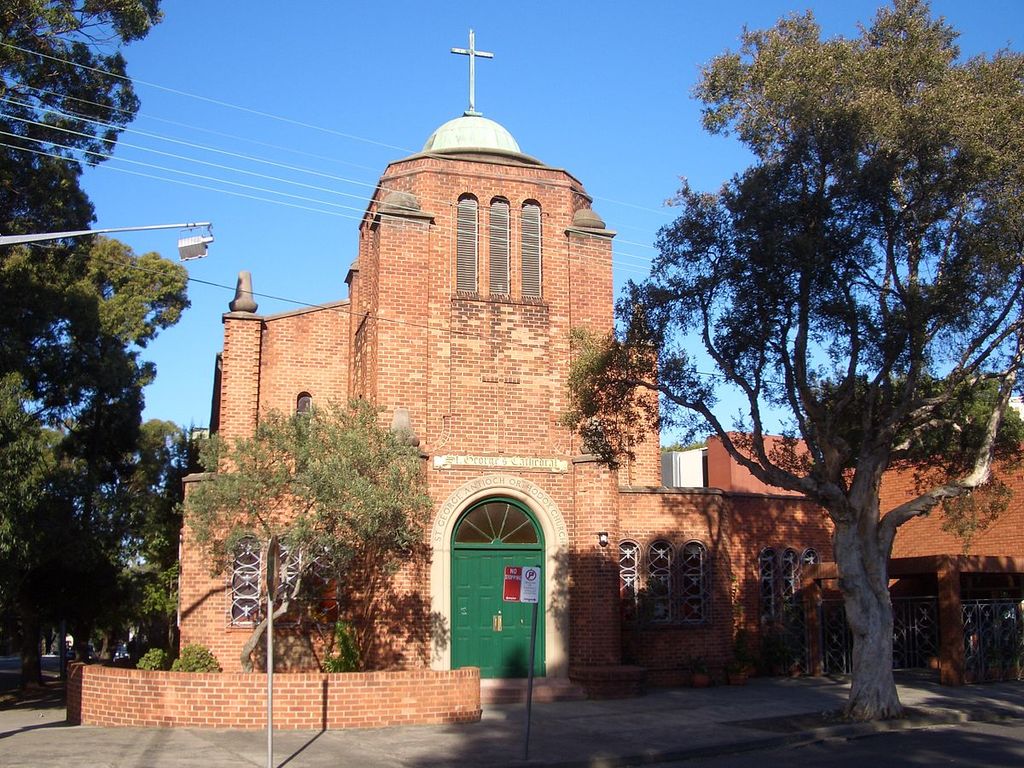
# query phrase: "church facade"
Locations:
[[475, 261]]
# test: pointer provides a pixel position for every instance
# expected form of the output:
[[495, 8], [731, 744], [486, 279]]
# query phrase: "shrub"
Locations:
[[154, 659], [195, 658], [345, 657]]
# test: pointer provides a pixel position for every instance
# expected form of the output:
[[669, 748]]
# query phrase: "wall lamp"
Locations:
[[602, 538]]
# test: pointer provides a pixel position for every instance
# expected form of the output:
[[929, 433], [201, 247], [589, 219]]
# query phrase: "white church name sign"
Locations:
[[524, 463]]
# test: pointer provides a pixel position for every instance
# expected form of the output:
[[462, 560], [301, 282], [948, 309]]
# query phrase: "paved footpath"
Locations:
[[665, 725]]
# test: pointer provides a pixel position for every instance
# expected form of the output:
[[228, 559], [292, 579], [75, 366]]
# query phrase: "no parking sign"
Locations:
[[522, 584]]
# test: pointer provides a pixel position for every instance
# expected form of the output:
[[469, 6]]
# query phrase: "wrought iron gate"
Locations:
[[915, 634], [993, 639]]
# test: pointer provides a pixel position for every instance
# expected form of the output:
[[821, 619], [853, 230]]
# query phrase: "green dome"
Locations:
[[471, 133]]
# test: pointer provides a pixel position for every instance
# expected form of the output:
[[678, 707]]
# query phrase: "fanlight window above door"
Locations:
[[496, 522]]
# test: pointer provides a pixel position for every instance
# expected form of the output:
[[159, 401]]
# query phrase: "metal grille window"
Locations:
[[693, 584], [810, 557], [790, 576], [245, 581], [766, 576], [499, 248], [659, 580], [629, 561], [466, 246], [531, 250]]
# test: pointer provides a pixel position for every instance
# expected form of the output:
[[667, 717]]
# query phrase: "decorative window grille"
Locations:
[[531, 250], [499, 248], [810, 557], [790, 576], [629, 561], [693, 584], [767, 575], [669, 585], [245, 581], [466, 246], [303, 403], [659, 580]]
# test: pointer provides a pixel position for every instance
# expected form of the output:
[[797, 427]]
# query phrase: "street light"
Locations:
[[191, 245]]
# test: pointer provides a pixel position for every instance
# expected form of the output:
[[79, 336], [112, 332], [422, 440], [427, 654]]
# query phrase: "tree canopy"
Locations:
[[334, 486], [863, 276]]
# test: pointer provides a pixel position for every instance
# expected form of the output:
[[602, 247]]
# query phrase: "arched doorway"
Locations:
[[487, 632]]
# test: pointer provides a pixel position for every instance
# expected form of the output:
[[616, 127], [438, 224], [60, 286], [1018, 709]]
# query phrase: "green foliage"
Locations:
[[335, 486], [863, 277], [345, 654], [681, 446], [195, 658], [155, 659]]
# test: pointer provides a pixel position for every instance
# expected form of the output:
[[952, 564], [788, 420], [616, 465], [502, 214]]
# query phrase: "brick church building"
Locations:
[[475, 260]]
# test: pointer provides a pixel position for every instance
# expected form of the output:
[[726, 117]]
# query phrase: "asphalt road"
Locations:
[[968, 745], [10, 670]]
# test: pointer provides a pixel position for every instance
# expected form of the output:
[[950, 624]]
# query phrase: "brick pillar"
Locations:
[[811, 591], [240, 374], [595, 635], [951, 623]]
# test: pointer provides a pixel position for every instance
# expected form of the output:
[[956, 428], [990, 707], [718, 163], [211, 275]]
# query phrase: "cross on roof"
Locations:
[[472, 52]]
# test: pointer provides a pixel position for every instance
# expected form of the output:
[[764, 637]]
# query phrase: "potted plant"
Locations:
[[736, 672], [742, 652], [701, 676]]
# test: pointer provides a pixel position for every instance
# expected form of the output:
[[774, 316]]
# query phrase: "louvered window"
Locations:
[[498, 252], [466, 246], [531, 249]]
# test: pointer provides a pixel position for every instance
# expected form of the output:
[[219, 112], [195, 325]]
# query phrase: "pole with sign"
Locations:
[[273, 574], [522, 585]]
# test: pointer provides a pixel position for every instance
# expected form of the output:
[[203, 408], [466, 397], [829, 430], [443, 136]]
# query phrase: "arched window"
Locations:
[[498, 247], [303, 403], [497, 522], [245, 581], [659, 580], [693, 584], [766, 577], [466, 246], [810, 557], [530, 245], [629, 562]]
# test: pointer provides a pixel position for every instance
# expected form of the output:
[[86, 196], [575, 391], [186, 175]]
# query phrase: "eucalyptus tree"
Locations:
[[863, 277]]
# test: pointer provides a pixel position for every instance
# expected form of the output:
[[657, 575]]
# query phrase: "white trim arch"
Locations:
[[556, 548]]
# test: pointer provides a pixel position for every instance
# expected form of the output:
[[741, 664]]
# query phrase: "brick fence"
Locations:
[[108, 696]]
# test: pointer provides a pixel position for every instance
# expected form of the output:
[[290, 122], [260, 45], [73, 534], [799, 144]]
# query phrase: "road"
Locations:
[[10, 670], [969, 745]]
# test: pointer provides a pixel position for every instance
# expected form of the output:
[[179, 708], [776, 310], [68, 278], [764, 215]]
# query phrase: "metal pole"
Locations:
[[16, 239], [270, 679], [529, 682]]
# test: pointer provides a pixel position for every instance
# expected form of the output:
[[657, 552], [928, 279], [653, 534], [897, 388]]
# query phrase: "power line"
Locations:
[[229, 153], [143, 116], [272, 116], [207, 99], [623, 266]]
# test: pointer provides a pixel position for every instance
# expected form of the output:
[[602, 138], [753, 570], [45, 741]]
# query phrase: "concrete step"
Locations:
[[513, 691]]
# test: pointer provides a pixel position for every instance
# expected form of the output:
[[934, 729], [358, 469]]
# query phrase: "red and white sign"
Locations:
[[522, 584]]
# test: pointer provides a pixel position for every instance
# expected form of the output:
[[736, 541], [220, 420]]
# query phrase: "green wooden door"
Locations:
[[486, 631]]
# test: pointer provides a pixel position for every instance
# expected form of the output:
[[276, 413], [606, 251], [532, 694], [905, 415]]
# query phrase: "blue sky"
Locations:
[[313, 99]]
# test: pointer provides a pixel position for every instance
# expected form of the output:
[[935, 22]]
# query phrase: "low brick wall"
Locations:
[[107, 696]]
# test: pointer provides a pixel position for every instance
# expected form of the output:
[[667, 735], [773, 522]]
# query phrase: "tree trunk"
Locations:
[[31, 666], [863, 579]]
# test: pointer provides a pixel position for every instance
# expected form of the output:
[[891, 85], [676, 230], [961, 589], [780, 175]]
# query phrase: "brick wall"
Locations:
[[735, 528], [108, 696], [926, 536]]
